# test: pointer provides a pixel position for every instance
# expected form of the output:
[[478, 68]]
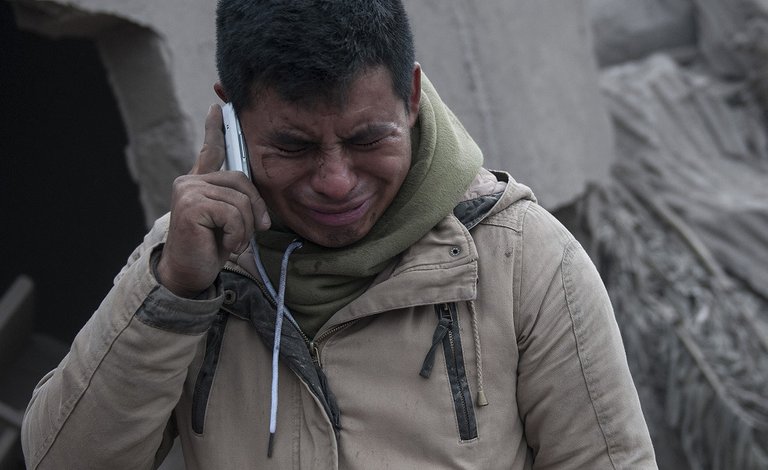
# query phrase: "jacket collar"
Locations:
[[440, 267]]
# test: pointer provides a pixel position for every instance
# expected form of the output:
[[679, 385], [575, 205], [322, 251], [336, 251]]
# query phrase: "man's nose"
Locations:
[[334, 174]]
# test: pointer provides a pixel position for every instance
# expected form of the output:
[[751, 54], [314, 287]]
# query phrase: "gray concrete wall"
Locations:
[[520, 74]]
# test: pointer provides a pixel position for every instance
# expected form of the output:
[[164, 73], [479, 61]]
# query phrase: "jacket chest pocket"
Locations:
[[448, 338]]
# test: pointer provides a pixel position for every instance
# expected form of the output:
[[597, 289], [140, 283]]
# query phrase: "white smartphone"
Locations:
[[237, 153]]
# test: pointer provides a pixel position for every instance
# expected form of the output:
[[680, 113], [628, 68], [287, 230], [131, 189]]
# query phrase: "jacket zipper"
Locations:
[[204, 381], [238, 270], [313, 345], [445, 310], [447, 334]]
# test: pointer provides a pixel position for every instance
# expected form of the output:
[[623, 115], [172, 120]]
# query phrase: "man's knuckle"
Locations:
[[179, 183], [186, 199]]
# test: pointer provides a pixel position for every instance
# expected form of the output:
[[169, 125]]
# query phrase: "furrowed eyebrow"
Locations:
[[372, 131], [282, 137]]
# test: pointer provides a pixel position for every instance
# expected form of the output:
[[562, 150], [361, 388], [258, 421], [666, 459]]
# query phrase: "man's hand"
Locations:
[[213, 214]]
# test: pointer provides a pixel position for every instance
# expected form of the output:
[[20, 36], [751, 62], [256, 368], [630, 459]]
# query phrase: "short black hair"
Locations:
[[307, 50]]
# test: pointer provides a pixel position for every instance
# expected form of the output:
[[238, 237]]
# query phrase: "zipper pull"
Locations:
[[443, 327], [444, 310], [314, 351]]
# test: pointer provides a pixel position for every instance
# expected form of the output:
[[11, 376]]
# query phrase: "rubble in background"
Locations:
[[702, 147], [680, 233], [724, 35], [690, 181], [626, 30], [733, 39]]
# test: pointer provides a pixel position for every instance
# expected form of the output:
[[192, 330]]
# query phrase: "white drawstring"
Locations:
[[281, 312]]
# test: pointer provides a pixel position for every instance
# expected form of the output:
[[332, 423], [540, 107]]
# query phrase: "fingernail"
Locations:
[[265, 221]]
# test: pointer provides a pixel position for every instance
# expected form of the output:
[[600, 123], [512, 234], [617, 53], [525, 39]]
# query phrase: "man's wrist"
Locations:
[[160, 271]]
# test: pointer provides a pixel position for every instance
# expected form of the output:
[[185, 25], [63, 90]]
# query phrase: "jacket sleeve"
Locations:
[[575, 393], [109, 402]]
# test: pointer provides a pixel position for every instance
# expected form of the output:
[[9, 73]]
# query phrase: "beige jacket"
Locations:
[[512, 305]]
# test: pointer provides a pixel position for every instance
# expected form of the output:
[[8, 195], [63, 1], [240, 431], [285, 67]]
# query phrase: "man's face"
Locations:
[[329, 172]]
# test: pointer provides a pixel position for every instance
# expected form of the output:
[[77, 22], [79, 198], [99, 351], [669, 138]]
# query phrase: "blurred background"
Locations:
[[640, 123]]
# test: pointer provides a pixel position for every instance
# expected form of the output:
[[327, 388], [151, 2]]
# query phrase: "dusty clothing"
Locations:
[[390, 381]]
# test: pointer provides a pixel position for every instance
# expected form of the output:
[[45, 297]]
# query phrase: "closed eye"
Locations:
[[372, 134], [371, 143], [288, 142], [291, 150]]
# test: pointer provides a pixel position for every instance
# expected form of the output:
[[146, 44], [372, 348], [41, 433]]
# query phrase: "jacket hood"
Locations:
[[490, 193]]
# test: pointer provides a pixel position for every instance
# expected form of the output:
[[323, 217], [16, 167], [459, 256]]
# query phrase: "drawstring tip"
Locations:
[[270, 445], [481, 400]]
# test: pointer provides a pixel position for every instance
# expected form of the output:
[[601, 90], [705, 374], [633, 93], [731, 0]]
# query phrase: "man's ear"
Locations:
[[220, 92], [415, 97]]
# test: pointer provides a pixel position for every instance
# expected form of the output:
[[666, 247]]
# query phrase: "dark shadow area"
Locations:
[[71, 214]]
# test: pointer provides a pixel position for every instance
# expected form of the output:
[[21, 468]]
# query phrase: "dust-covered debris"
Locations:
[[681, 239]]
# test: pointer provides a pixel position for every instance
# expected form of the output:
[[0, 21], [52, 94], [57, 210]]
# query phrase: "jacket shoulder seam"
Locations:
[[569, 252]]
